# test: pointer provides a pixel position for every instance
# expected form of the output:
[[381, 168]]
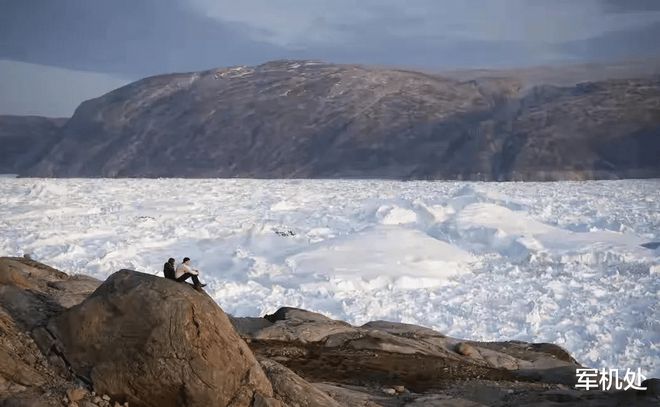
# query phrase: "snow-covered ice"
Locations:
[[552, 262]]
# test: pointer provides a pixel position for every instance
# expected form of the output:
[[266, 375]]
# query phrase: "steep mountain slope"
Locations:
[[24, 141], [315, 120]]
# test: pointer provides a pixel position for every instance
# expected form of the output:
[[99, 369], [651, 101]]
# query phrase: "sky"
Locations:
[[56, 53]]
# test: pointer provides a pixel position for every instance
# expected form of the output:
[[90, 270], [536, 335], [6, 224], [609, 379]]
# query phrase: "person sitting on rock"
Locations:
[[168, 269], [184, 272]]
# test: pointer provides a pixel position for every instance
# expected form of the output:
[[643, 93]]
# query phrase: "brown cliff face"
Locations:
[[314, 120]]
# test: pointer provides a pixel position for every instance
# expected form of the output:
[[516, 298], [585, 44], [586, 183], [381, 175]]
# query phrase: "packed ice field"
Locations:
[[572, 263]]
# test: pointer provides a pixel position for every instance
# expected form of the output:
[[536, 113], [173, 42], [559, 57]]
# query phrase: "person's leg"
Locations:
[[184, 277], [197, 282]]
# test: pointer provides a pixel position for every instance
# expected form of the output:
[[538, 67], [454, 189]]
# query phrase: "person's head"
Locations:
[[171, 260], [186, 259]]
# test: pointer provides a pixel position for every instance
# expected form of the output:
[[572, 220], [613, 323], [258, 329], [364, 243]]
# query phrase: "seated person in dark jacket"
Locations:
[[168, 269]]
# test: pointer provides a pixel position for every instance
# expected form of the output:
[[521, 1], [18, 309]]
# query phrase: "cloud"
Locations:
[[29, 89], [616, 45], [136, 38], [304, 23], [630, 6], [435, 34], [129, 37]]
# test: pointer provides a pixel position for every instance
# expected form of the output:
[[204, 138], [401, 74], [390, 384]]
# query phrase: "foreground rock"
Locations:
[[155, 342], [303, 119], [146, 341]]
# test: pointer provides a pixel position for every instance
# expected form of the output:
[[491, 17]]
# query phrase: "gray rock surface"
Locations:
[[306, 119]]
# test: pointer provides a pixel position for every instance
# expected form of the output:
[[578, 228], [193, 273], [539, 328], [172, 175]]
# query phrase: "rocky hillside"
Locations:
[[315, 120], [140, 340], [26, 140]]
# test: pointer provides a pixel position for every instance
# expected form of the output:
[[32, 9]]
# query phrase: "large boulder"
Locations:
[[155, 342]]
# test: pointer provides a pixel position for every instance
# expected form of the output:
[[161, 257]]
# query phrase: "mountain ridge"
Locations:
[[310, 119]]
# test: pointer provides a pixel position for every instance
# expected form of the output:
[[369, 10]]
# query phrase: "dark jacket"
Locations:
[[168, 270]]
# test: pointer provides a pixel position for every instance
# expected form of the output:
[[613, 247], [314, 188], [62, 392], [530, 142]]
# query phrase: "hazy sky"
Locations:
[[45, 44]]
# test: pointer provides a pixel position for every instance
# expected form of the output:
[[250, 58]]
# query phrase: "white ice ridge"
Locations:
[[568, 263]]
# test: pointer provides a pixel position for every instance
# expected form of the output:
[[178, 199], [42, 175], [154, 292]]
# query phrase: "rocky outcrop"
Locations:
[[304, 119], [155, 342], [30, 294], [392, 364], [141, 340], [25, 140], [415, 357]]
